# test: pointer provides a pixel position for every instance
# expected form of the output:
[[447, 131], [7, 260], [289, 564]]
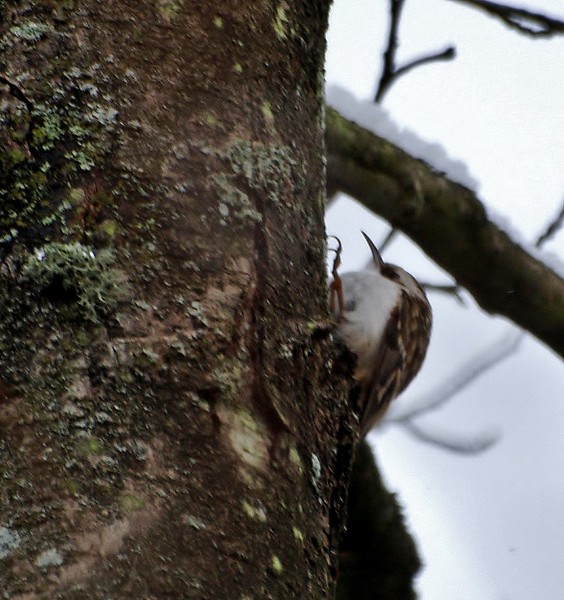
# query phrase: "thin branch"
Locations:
[[447, 390], [390, 73], [524, 21], [473, 444], [389, 65], [552, 228], [388, 239], [474, 368], [453, 290], [448, 53]]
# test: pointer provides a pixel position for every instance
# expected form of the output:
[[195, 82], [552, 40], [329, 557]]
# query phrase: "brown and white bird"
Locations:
[[384, 318]]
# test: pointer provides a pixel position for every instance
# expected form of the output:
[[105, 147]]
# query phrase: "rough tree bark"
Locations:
[[173, 417]]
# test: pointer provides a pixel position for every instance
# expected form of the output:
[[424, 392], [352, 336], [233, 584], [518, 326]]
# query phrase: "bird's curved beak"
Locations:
[[375, 254]]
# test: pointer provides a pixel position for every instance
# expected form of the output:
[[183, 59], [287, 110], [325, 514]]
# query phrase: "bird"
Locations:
[[384, 318]]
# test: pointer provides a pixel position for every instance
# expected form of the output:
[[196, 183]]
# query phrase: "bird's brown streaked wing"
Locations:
[[386, 376], [417, 317], [398, 358]]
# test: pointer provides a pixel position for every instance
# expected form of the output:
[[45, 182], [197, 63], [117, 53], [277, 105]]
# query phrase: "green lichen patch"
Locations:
[[90, 446], [267, 113], [276, 565], [257, 512], [77, 276], [281, 21], [108, 228], [248, 438], [45, 145], [130, 502], [211, 120], [169, 9]]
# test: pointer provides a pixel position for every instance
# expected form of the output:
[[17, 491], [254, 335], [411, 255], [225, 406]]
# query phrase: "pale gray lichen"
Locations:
[[194, 522], [31, 31], [104, 115], [315, 469], [234, 201], [265, 167], [196, 310], [49, 558], [9, 540]]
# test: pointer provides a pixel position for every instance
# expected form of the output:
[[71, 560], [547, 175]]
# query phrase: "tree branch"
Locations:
[[445, 390], [451, 290], [389, 63], [451, 225], [390, 73], [527, 22], [552, 228], [461, 444], [447, 54]]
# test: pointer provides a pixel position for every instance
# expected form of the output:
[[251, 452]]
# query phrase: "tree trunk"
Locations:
[[172, 423]]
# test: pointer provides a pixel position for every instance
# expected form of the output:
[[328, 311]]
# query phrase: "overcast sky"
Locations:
[[489, 527]]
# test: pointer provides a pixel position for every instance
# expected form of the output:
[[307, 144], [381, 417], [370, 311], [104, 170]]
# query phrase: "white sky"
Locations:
[[489, 527]]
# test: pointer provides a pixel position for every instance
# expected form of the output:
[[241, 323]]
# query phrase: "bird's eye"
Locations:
[[389, 272], [350, 305]]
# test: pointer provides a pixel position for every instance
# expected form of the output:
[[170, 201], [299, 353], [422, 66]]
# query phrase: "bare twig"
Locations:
[[447, 54], [552, 228], [450, 289], [390, 73], [473, 444], [447, 390], [525, 21], [388, 239], [389, 65]]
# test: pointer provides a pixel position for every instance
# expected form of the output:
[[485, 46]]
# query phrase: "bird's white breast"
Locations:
[[368, 301]]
